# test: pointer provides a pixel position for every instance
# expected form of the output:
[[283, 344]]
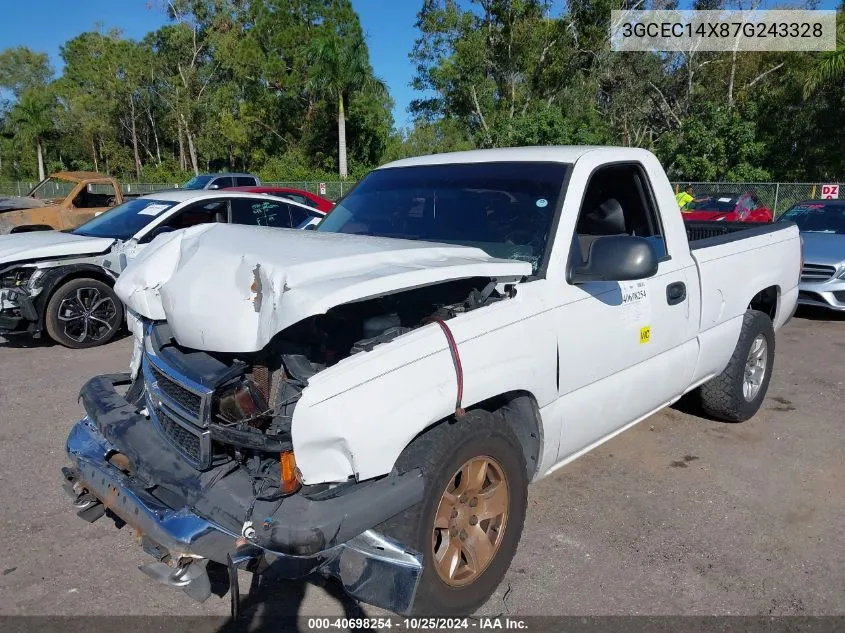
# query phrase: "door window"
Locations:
[[95, 195], [245, 181], [258, 212], [618, 201], [221, 183]]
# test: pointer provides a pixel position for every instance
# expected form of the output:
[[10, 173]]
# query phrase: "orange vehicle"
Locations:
[[62, 201]]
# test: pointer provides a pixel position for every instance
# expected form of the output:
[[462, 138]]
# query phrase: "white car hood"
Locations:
[[228, 288], [45, 244]]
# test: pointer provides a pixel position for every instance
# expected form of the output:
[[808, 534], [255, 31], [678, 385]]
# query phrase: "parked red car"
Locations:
[[297, 195], [727, 207]]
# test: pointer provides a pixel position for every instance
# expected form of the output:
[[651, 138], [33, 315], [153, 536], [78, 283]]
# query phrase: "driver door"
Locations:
[[626, 348]]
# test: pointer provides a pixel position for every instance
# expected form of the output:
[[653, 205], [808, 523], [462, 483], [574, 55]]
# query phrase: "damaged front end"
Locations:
[[19, 288], [196, 459]]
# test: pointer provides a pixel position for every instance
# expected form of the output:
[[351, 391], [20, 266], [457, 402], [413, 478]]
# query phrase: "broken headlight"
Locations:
[[17, 277], [243, 403]]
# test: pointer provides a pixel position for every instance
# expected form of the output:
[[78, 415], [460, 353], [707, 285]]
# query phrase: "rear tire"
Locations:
[[737, 393], [83, 313], [467, 531]]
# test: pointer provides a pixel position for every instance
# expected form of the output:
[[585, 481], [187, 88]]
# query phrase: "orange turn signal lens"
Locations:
[[287, 463]]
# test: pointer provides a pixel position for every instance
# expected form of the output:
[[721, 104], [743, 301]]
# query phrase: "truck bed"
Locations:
[[704, 234]]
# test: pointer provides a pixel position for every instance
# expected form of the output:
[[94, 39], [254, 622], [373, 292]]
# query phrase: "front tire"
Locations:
[[737, 393], [470, 520], [83, 313]]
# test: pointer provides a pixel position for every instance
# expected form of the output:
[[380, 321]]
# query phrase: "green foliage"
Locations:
[[516, 72], [225, 85]]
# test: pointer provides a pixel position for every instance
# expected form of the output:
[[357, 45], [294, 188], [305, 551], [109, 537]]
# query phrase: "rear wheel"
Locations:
[[737, 393], [83, 313], [468, 525]]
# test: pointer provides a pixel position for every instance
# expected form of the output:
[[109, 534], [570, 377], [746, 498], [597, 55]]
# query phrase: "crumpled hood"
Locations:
[[44, 244], [228, 288], [10, 203]]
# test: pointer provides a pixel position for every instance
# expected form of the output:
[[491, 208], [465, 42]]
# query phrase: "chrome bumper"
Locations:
[[829, 294], [371, 567]]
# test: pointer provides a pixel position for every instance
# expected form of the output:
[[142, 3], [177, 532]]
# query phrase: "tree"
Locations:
[[339, 68], [830, 65], [32, 118], [22, 68]]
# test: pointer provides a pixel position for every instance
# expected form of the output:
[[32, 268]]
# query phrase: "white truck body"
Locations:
[[595, 357]]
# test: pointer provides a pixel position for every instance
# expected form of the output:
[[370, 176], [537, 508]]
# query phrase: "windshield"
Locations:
[[50, 188], [125, 220], [818, 217], [506, 209], [724, 204], [197, 182]]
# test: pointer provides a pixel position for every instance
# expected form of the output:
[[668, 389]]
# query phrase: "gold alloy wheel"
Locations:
[[470, 521]]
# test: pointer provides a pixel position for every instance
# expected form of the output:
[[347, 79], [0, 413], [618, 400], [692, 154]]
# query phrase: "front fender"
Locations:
[[356, 418]]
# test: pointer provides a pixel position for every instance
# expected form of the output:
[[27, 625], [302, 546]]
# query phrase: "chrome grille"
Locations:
[[188, 442], [180, 408], [817, 272], [190, 402]]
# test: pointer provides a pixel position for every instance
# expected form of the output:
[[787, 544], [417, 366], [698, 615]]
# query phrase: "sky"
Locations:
[[44, 25]]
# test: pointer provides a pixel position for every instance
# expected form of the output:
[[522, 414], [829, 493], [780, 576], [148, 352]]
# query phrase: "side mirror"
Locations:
[[616, 258], [214, 186]]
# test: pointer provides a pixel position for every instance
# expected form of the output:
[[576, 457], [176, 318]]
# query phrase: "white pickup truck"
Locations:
[[370, 400]]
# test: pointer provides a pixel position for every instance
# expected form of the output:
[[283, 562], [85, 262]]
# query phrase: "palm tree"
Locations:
[[339, 68], [32, 118], [831, 64]]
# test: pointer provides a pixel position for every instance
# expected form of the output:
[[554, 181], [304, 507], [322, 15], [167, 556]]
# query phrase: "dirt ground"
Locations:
[[680, 515]]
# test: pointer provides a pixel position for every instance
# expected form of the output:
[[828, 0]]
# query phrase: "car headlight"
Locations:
[[16, 277], [841, 274]]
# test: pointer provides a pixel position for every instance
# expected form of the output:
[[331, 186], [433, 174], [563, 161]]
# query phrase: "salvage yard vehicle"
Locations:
[[370, 400], [727, 207], [221, 181], [62, 282], [822, 226], [62, 201], [297, 195]]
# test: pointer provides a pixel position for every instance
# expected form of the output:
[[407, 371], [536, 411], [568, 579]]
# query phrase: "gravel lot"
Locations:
[[680, 515]]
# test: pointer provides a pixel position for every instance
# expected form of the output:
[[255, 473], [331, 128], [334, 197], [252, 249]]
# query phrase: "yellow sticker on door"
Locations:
[[645, 334]]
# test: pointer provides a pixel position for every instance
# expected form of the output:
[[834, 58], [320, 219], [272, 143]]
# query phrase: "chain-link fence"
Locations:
[[777, 196], [333, 190]]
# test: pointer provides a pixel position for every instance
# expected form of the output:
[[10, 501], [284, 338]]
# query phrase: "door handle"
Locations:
[[676, 293]]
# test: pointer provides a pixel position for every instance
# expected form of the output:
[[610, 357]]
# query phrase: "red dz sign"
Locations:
[[830, 192]]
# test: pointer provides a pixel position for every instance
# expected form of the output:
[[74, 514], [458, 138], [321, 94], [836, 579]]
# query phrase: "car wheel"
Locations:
[[83, 313], [468, 524], [737, 393]]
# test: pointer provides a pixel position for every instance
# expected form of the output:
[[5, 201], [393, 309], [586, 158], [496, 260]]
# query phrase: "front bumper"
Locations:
[[829, 294], [371, 567], [17, 311]]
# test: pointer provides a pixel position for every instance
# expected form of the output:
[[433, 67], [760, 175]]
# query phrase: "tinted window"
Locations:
[[124, 220], [245, 181], [818, 217], [197, 182], [221, 183], [505, 209], [200, 213], [267, 213]]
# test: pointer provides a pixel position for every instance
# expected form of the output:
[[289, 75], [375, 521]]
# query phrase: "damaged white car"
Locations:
[[62, 282], [370, 400]]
